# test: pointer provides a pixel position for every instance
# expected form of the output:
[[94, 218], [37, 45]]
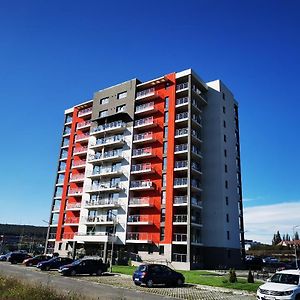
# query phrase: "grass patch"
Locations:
[[203, 278], [14, 289]]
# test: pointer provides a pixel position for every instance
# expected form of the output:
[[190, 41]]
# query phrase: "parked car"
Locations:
[[4, 257], [18, 257], [283, 285], [35, 260], [54, 263], [254, 263], [272, 267], [84, 266], [151, 274]]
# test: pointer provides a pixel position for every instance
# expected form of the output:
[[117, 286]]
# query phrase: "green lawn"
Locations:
[[204, 278]]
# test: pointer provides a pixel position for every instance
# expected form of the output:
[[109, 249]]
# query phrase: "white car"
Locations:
[[283, 285]]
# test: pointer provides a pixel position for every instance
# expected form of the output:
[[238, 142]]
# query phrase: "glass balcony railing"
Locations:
[[181, 116], [84, 124], [180, 200], [181, 131], [196, 219], [140, 219], [182, 101], [109, 126], [145, 93], [103, 202], [196, 201], [69, 119], [182, 86], [82, 136], [196, 150], [143, 136], [142, 152], [75, 177], [141, 167], [106, 155], [75, 191], [71, 220], [196, 183], [179, 237], [181, 147], [141, 184], [139, 236], [69, 236], [73, 205], [109, 140], [77, 163], [85, 111], [140, 201], [101, 219], [180, 181], [105, 185], [145, 121], [196, 166], [104, 170], [144, 107], [67, 131], [196, 134], [180, 218], [181, 164], [80, 149]]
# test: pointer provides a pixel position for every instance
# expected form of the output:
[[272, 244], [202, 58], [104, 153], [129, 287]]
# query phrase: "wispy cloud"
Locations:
[[261, 222]]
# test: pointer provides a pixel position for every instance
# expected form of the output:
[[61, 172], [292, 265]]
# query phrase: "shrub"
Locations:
[[250, 278], [232, 276]]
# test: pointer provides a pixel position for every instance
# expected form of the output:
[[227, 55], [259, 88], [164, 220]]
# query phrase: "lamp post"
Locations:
[[294, 227]]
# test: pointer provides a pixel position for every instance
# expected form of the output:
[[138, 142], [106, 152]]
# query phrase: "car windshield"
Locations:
[[285, 278], [76, 262]]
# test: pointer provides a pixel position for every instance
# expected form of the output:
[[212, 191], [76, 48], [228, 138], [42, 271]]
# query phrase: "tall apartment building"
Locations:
[[152, 168]]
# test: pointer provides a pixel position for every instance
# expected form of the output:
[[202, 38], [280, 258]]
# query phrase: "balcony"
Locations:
[[85, 112], [140, 220], [112, 141], [75, 192], [113, 155], [68, 120], [141, 185], [182, 148], [182, 101], [71, 221], [143, 152], [179, 219], [106, 172], [182, 132], [76, 177], [181, 117], [52, 236], [78, 164], [69, 236], [179, 238], [67, 132], [144, 123], [143, 138], [102, 220], [196, 221], [82, 137], [180, 200], [142, 169], [182, 87], [181, 165], [196, 185], [196, 136], [139, 237], [65, 144], [102, 203], [196, 202], [80, 150], [141, 202], [107, 187], [73, 206], [84, 124], [145, 108], [116, 126], [198, 92], [196, 167], [94, 236], [180, 183], [146, 94]]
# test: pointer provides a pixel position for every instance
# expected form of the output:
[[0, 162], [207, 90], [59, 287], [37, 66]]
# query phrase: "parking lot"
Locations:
[[117, 286]]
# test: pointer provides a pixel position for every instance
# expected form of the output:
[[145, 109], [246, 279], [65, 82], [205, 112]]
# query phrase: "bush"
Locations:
[[250, 278], [232, 276]]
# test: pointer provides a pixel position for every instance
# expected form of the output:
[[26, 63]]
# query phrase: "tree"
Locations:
[[283, 237], [250, 278], [276, 238], [296, 238]]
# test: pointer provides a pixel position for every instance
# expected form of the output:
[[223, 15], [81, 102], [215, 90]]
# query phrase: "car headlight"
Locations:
[[287, 293]]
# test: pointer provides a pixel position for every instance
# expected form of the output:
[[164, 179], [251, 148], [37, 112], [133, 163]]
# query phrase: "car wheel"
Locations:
[[73, 273], [149, 283], [137, 283], [29, 264], [13, 262], [179, 282], [298, 297], [99, 272]]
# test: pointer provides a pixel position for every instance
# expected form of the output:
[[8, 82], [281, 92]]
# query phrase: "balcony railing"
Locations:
[[143, 136], [179, 237], [145, 93], [196, 184], [143, 122], [84, 124], [141, 184], [105, 185], [183, 115], [69, 119], [75, 177], [52, 236], [103, 202], [196, 220], [178, 257], [109, 140], [69, 236], [182, 86], [73, 205], [180, 181], [181, 131], [85, 111], [106, 171], [143, 201], [101, 219], [180, 218], [140, 219], [67, 132], [142, 152], [75, 191], [181, 147], [108, 154], [181, 164], [180, 200], [77, 163], [80, 149], [139, 236], [72, 220], [144, 107], [109, 126], [182, 101], [82, 136], [141, 167], [196, 134], [196, 201]]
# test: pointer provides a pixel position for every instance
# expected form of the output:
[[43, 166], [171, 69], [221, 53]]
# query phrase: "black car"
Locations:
[[17, 257], [54, 263], [151, 274], [84, 266]]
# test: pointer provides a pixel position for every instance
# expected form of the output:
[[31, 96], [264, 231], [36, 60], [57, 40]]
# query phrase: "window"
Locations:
[[228, 235], [150, 249], [163, 215], [103, 113], [223, 95], [162, 233], [227, 200], [163, 197], [226, 184], [224, 109], [164, 163], [166, 103], [225, 152], [122, 95], [225, 138], [161, 250], [227, 218], [224, 124], [165, 146], [226, 169], [164, 180], [166, 119], [121, 108], [165, 132], [104, 100]]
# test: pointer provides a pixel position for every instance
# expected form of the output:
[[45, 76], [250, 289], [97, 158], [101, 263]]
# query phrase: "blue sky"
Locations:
[[54, 54]]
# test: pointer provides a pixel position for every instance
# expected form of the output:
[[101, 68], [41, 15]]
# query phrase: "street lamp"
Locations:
[[294, 227]]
